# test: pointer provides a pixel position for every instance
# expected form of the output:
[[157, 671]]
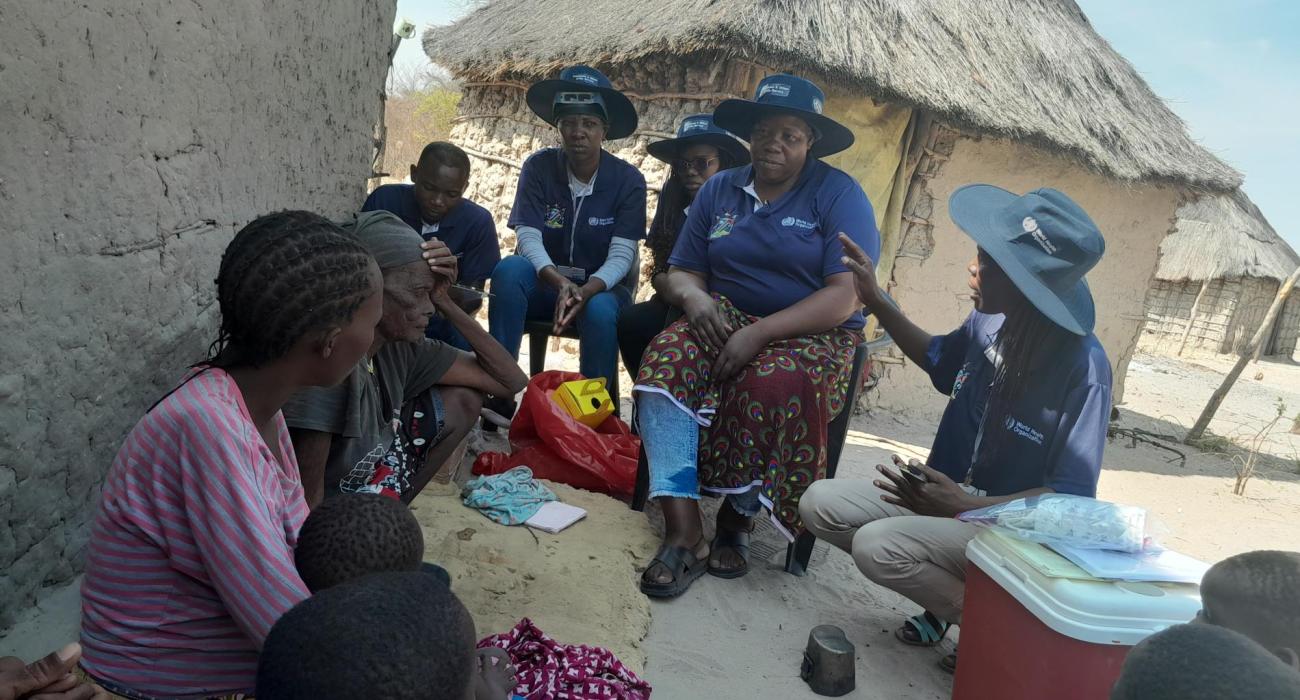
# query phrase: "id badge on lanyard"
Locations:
[[577, 275]]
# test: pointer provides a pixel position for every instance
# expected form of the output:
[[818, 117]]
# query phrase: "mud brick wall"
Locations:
[[139, 135]]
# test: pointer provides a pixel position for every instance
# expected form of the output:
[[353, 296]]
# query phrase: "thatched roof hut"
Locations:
[[1219, 271], [1030, 70], [939, 92]]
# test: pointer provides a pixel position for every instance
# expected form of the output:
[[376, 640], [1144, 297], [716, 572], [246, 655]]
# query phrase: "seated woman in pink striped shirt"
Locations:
[[190, 559]]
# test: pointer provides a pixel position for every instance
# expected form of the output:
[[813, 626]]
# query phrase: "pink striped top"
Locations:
[[190, 559]]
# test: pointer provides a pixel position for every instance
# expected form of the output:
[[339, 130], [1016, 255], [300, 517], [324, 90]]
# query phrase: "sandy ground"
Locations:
[[578, 586], [744, 638]]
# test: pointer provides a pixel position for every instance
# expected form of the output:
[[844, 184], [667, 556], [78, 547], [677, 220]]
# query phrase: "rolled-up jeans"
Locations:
[[672, 443]]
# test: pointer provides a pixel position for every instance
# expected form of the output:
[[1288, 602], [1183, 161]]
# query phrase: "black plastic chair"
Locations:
[[539, 334]]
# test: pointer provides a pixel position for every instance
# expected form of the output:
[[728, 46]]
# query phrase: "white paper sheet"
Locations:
[[1154, 565], [555, 516]]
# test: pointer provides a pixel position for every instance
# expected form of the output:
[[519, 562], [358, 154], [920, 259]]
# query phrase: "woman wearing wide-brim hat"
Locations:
[[578, 213], [735, 397], [699, 151], [1029, 389]]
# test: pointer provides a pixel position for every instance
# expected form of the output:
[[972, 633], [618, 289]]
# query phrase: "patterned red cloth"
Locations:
[[548, 670]]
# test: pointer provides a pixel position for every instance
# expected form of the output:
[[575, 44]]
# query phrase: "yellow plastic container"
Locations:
[[585, 399]]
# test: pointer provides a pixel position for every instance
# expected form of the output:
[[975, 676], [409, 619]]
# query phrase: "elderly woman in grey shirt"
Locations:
[[402, 411]]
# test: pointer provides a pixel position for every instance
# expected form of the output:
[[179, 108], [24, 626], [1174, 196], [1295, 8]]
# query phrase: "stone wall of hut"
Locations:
[[496, 128], [140, 135], [1227, 315]]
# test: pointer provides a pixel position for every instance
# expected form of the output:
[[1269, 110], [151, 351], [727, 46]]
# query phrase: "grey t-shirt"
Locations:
[[364, 413]]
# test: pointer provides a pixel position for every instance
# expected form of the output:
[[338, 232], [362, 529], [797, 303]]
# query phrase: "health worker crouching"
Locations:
[[579, 213]]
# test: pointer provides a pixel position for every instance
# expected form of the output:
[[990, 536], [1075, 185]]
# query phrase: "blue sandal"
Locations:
[[924, 630]]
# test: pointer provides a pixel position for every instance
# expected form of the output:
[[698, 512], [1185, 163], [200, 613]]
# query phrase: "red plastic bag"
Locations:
[[548, 440]]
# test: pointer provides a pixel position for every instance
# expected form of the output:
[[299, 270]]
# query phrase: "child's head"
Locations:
[[355, 534], [1258, 595], [397, 636], [292, 285], [1203, 662]]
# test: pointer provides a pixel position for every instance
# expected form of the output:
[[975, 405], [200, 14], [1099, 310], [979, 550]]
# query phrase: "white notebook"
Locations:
[[555, 516]]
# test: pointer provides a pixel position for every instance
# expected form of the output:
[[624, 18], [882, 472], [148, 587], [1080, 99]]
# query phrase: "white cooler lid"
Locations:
[[1098, 612]]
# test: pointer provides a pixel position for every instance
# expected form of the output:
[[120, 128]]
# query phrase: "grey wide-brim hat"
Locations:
[[1042, 240]]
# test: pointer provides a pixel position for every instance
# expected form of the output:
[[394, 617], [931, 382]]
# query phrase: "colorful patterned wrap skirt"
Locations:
[[766, 425]]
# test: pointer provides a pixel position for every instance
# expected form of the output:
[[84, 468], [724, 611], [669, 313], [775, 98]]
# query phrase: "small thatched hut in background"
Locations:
[[940, 93], [1219, 272]]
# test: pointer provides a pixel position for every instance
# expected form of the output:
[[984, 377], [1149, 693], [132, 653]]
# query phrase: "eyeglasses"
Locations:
[[699, 165]]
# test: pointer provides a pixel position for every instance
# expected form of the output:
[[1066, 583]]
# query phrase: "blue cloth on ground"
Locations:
[[509, 498]]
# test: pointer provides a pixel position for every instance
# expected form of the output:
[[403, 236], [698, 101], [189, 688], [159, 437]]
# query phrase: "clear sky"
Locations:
[[1229, 68]]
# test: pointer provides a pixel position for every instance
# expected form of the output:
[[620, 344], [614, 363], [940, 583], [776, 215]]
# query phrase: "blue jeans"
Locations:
[[671, 438], [519, 296]]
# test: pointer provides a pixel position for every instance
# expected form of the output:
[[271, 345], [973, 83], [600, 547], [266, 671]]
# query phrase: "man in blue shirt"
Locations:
[[435, 207], [1029, 401]]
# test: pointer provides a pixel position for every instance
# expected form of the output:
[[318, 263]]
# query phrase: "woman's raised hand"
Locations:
[[864, 272], [443, 262], [706, 320]]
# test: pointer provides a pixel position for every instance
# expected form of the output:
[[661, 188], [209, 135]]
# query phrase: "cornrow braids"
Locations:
[[283, 276]]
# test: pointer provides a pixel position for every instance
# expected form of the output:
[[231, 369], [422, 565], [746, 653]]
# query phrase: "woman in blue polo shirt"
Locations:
[[1029, 401], [735, 397], [700, 151], [578, 213]]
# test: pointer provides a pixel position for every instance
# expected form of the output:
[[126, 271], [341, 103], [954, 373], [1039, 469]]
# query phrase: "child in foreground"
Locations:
[[1203, 662], [1257, 594], [397, 635], [355, 534]]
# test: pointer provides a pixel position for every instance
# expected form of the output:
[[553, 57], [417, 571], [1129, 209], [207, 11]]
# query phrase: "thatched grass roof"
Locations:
[[1027, 69], [1224, 236]]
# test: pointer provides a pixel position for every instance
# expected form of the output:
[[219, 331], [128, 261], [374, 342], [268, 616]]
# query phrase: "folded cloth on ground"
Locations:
[[509, 498], [548, 670]]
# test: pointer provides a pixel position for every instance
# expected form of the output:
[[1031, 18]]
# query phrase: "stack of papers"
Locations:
[[555, 516], [1151, 565]]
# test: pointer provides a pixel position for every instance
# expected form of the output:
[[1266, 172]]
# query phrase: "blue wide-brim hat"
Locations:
[[620, 115], [697, 129], [1042, 240], [785, 94]]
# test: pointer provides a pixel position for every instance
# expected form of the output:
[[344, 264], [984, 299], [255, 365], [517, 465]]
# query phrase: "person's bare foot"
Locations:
[[658, 573], [495, 679], [725, 558]]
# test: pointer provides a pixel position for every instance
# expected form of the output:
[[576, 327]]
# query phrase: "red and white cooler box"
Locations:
[[1028, 635]]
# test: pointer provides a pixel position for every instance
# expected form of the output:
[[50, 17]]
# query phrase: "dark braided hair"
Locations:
[[396, 636], [670, 217], [354, 534], [1026, 339], [283, 276]]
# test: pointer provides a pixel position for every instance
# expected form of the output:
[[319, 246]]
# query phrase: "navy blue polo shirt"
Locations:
[[1055, 432], [468, 229], [768, 260], [577, 232]]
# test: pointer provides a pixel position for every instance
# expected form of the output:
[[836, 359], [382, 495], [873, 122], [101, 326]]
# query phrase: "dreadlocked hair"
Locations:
[[1025, 339], [670, 215], [283, 276]]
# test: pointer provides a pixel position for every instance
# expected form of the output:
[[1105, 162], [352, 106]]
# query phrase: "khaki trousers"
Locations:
[[917, 556]]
